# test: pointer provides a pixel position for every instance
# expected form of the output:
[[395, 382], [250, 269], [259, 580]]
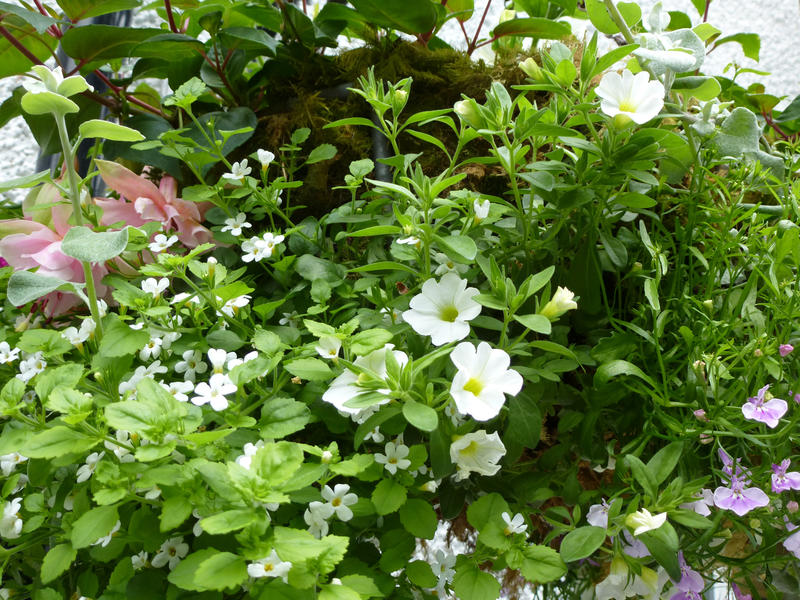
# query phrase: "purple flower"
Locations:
[[781, 480], [691, 581], [598, 515], [792, 543], [685, 595], [705, 498], [634, 547], [738, 593], [785, 349], [763, 409], [700, 415], [738, 498], [727, 467]]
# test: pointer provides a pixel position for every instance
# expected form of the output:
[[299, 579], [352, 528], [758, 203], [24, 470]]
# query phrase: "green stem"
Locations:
[[75, 197]]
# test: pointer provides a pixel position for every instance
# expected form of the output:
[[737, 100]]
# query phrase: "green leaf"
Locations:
[[282, 417], [408, 16], [689, 518], [750, 43], [384, 265], [598, 15], [420, 416], [458, 247], [58, 559], [66, 375], [333, 591], [277, 462], [36, 19], [97, 128], [542, 564], [77, 10], [663, 546], [364, 585], [739, 133], [615, 368], [174, 512], [183, 575], [419, 518], [377, 230], [524, 425], [103, 42], [485, 509], [582, 542], [536, 27], [365, 342], [56, 441], [651, 293], [320, 153], [537, 323], [25, 181], [221, 571], [311, 268], [230, 520], [24, 287], [643, 475], [388, 496], [248, 38], [420, 574], [664, 461], [311, 369], [470, 583], [120, 340], [88, 246], [702, 87], [92, 525], [633, 200]]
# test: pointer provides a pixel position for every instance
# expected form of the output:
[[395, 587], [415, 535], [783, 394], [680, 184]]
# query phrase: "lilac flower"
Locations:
[[738, 498], [738, 593], [781, 480], [633, 547], [598, 515], [690, 581], [685, 595], [727, 467], [785, 349], [792, 543], [704, 499], [764, 409]]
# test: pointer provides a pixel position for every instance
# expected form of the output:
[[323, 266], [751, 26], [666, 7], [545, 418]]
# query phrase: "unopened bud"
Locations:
[[758, 353], [792, 506], [530, 67], [700, 415]]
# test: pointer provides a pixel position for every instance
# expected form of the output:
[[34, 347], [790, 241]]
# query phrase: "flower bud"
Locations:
[[327, 456], [700, 415], [785, 349], [531, 68], [792, 506], [758, 353], [561, 302], [468, 111]]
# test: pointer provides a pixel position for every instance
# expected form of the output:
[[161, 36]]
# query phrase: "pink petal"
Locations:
[[118, 210], [127, 183]]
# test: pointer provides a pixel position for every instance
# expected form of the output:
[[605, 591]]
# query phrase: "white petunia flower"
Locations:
[[236, 224], [561, 302], [161, 242], [31, 366], [10, 522], [477, 452], [316, 517], [106, 539], [87, 470], [151, 349], [340, 500], [447, 265], [239, 170], [155, 287], [265, 157], [9, 462], [139, 561], [8, 354], [270, 566], [328, 346], [630, 97], [191, 365], [442, 309], [514, 525], [246, 459], [170, 553], [213, 393], [349, 386], [642, 521], [482, 380], [395, 457]]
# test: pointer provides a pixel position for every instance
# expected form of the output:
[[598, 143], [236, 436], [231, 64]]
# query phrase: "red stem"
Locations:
[[170, 18], [131, 98], [472, 46], [775, 126], [705, 14], [18, 45]]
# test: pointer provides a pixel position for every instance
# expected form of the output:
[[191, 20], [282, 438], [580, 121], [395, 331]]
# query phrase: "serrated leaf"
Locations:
[[58, 559]]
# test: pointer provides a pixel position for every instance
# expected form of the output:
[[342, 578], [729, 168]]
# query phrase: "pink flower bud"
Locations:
[[785, 349], [792, 506], [700, 414]]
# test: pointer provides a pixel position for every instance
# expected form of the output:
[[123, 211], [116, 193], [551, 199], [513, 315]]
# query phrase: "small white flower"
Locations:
[[375, 435], [447, 265], [704, 499], [235, 362], [7, 354], [265, 157], [161, 242], [316, 517], [214, 392], [410, 240], [151, 349], [9, 462], [218, 357], [10, 522], [246, 459], [87, 470], [477, 452], [31, 366], [74, 336], [121, 452], [642, 521], [395, 457], [443, 566], [155, 287], [442, 309], [328, 346], [153, 493], [270, 566], [191, 365], [236, 224], [430, 486], [289, 319], [561, 302], [137, 326], [340, 500], [630, 97], [102, 307], [139, 561], [482, 380], [598, 515], [232, 306], [391, 316], [481, 208], [179, 389], [239, 170], [171, 553], [514, 525], [185, 299], [106, 539]]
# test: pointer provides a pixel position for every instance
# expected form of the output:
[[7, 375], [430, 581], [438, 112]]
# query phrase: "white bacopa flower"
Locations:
[[155, 287], [231, 307], [395, 457], [106, 539], [170, 553], [179, 389], [31, 366], [258, 248], [375, 435], [265, 157], [239, 170], [270, 566], [185, 299], [246, 459], [8, 354], [410, 240], [213, 393], [391, 316], [87, 470], [340, 500], [328, 346], [447, 265], [444, 566], [236, 361], [289, 319], [236, 224], [477, 452], [10, 522], [153, 492], [561, 302], [348, 385], [139, 561], [442, 309], [151, 349], [631, 97], [191, 365], [9, 462], [642, 521], [121, 452], [481, 208], [316, 517], [74, 336], [514, 525], [482, 380], [218, 357], [161, 242]]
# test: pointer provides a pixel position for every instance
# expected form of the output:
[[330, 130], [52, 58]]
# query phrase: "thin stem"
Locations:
[[129, 97], [18, 45], [172, 27], [472, 45]]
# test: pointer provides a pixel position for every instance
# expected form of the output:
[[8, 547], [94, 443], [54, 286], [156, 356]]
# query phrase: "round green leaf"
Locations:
[[419, 518], [420, 416], [88, 246]]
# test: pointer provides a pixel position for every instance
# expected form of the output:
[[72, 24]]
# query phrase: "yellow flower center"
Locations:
[[449, 314], [627, 106], [470, 450], [474, 386], [336, 501], [268, 567]]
